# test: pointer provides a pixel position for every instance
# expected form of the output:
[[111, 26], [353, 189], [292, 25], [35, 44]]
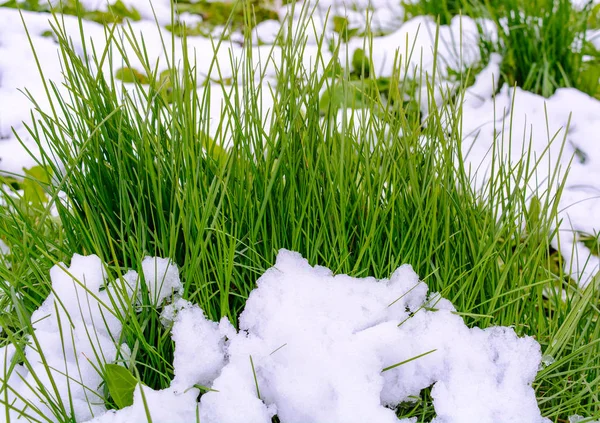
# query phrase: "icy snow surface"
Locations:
[[486, 116], [311, 347]]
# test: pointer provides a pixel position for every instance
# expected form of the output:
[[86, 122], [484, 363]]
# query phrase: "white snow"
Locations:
[[577, 419], [162, 279], [311, 347], [414, 45], [527, 123], [74, 331], [199, 348], [319, 343], [165, 407]]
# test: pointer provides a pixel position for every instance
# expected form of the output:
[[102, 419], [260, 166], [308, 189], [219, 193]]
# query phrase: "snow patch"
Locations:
[[317, 347], [162, 279], [73, 336]]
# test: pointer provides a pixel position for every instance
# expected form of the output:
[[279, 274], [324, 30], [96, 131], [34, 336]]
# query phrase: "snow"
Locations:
[[414, 42], [165, 407], [319, 343], [311, 347], [73, 334], [76, 329], [200, 348], [577, 419], [162, 278], [4, 249]]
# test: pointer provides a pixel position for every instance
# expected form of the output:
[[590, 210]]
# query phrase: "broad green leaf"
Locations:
[[360, 63], [121, 384], [32, 185], [131, 75], [352, 94]]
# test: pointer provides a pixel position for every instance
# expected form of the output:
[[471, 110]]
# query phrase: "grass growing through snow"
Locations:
[[543, 43], [360, 193], [544, 46]]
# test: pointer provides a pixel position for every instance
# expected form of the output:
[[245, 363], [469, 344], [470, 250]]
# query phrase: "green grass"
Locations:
[[361, 195], [543, 42], [539, 43], [442, 10]]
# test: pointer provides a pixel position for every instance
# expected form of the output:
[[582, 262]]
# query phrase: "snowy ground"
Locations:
[[311, 347], [487, 117]]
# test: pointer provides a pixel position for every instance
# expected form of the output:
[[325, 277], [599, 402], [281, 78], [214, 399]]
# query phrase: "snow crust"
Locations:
[[311, 347]]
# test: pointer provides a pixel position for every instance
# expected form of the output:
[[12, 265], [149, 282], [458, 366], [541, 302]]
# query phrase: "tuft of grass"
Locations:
[[544, 45], [543, 42], [363, 191]]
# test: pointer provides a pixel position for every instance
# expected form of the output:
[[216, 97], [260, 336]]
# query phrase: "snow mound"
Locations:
[[74, 333], [317, 347], [312, 347], [555, 134]]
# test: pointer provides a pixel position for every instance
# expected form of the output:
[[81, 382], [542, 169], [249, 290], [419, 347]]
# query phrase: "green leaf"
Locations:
[[121, 384], [165, 85], [353, 94], [341, 25], [33, 191], [131, 75], [360, 63]]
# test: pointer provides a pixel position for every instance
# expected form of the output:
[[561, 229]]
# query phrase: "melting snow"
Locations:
[[311, 347]]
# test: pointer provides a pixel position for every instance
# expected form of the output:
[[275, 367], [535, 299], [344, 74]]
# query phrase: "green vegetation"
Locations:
[[543, 42], [215, 14], [131, 75], [442, 10], [544, 46], [361, 194], [115, 13]]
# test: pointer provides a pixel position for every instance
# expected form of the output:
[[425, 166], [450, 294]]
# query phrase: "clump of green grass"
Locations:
[[137, 174], [544, 46], [442, 10], [543, 42]]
